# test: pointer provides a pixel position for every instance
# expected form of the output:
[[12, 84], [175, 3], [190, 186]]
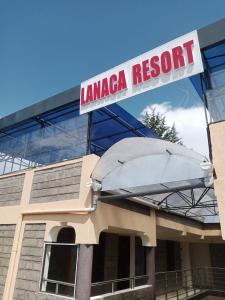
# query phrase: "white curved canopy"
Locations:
[[158, 170], [144, 161]]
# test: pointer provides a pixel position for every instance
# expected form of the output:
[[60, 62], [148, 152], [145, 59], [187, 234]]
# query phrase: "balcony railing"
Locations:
[[177, 285], [181, 284], [112, 286]]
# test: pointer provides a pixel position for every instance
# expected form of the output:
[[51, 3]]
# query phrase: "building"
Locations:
[[95, 205]]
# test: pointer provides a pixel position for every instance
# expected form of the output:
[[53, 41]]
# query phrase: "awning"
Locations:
[[160, 174]]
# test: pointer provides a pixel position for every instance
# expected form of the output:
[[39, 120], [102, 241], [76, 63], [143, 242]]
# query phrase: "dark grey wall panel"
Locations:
[[6, 241], [217, 255], [11, 190], [58, 183], [30, 265], [27, 281]]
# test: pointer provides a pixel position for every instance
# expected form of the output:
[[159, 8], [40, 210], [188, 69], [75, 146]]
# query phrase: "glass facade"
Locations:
[[212, 83], [64, 134], [112, 124], [45, 139]]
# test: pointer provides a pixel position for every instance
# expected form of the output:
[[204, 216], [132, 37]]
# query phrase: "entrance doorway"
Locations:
[[117, 259]]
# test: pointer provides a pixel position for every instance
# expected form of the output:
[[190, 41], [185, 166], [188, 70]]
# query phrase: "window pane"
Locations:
[[62, 263], [59, 269]]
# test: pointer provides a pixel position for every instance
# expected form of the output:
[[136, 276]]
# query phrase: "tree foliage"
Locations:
[[157, 123]]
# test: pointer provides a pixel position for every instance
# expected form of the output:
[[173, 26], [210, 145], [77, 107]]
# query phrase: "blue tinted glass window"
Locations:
[[48, 138]]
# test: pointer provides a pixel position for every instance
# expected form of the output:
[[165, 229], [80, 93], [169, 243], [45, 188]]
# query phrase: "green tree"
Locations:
[[157, 123]]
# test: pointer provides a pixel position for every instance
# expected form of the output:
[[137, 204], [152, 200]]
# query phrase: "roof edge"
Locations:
[[43, 106], [211, 34]]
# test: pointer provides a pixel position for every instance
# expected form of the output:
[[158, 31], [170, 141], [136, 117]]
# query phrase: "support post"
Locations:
[[132, 256], [150, 269], [84, 272], [186, 265]]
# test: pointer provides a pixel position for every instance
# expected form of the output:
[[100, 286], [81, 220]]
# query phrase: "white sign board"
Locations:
[[170, 62]]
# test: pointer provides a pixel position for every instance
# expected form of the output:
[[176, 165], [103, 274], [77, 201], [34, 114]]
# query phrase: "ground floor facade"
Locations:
[[119, 263], [54, 245]]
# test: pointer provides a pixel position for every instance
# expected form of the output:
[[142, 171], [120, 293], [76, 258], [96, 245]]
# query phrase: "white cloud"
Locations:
[[189, 122]]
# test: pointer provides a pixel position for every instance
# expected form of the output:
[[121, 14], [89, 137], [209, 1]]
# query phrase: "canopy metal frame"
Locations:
[[190, 208]]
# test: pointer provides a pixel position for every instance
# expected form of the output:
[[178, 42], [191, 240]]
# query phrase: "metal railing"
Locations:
[[111, 286], [215, 278], [177, 285], [181, 284]]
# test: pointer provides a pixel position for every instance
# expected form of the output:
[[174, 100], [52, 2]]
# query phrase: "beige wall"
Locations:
[[63, 187], [57, 195], [45, 200], [217, 133], [179, 228]]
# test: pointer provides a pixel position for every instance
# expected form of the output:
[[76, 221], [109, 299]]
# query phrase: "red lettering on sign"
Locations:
[[178, 59], [149, 68], [137, 78], [155, 66], [113, 84], [97, 90], [188, 48], [105, 88], [82, 97], [145, 70], [89, 97], [166, 64], [122, 83]]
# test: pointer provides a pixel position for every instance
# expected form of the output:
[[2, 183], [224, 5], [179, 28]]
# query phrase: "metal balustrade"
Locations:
[[181, 284], [111, 286], [177, 285]]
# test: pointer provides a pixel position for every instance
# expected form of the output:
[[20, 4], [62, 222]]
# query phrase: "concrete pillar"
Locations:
[[84, 272], [132, 256], [186, 263], [150, 269], [185, 256], [111, 256]]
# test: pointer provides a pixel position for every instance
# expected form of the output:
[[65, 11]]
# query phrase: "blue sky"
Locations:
[[51, 45]]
